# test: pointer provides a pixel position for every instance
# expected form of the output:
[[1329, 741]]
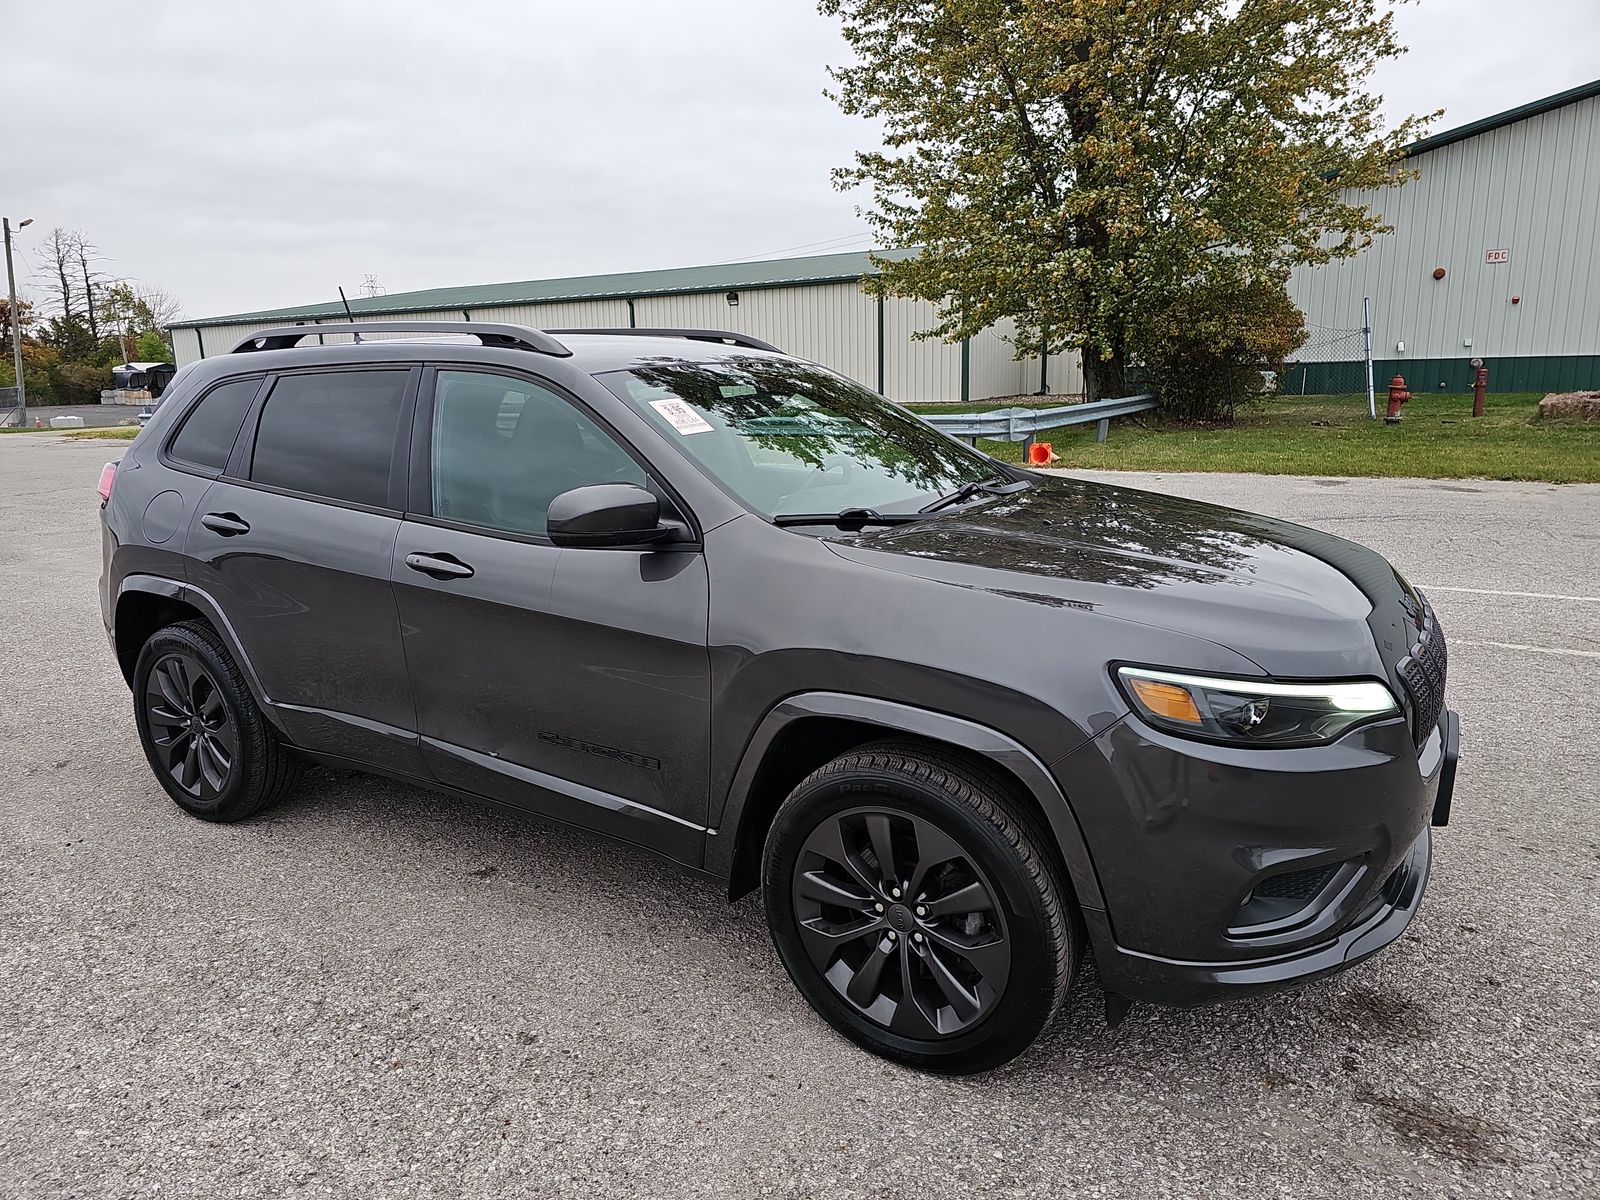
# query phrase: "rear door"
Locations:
[[574, 682], [293, 543]]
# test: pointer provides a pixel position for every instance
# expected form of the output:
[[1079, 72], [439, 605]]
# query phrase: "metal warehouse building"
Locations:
[[1495, 255], [812, 307]]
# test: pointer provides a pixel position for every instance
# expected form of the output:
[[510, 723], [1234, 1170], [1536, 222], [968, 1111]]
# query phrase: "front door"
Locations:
[[574, 682], [293, 543]]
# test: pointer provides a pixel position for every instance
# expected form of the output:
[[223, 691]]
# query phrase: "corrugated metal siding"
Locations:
[[917, 370], [185, 345], [1533, 188], [833, 324], [992, 369], [576, 314], [805, 271], [1066, 374]]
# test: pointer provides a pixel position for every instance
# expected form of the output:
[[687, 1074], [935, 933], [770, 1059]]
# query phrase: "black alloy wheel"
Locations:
[[210, 746], [918, 903], [902, 922], [193, 735]]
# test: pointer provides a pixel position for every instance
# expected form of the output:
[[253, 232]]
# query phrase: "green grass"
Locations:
[[112, 433], [1331, 435]]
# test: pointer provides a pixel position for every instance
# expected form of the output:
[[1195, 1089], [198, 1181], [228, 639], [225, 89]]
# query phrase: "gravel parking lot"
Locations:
[[375, 992]]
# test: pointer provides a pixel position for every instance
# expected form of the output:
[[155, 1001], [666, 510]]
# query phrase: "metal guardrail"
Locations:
[[1024, 424]]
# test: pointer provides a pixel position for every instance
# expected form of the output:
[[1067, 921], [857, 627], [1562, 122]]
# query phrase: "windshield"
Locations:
[[787, 437]]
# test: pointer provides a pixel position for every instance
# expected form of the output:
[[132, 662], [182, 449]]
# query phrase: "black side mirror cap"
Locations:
[[608, 514]]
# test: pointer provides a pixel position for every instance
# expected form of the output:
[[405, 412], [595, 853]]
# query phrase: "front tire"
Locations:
[[916, 904], [205, 739]]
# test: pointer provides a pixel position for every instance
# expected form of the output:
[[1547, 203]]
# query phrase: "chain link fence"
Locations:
[[1334, 364], [9, 413]]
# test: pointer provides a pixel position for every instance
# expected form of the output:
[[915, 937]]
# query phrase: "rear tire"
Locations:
[[205, 738], [955, 958]]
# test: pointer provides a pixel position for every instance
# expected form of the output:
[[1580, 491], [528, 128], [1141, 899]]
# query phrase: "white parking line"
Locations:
[[1532, 649], [1436, 587]]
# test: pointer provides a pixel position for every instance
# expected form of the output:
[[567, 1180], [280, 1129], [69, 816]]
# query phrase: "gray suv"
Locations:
[[960, 722]]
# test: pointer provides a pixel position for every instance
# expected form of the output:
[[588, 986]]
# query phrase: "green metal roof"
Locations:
[[1584, 91], [722, 277]]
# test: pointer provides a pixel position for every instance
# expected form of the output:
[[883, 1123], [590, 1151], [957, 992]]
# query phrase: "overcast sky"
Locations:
[[243, 157]]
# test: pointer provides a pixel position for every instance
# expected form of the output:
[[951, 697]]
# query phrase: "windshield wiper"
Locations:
[[995, 485], [848, 518]]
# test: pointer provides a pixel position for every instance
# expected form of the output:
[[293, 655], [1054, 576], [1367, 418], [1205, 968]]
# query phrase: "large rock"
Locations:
[[1582, 406]]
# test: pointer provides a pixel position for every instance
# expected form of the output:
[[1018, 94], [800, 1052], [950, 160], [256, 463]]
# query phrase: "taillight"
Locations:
[[108, 476]]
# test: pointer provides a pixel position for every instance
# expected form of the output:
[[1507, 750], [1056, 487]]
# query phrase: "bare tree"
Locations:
[[163, 305], [84, 252], [57, 263]]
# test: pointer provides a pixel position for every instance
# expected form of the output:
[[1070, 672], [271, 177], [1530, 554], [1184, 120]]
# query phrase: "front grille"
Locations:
[[1296, 885], [1422, 672]]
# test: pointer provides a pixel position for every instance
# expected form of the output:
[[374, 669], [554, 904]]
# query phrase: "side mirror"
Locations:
[[607, 514]]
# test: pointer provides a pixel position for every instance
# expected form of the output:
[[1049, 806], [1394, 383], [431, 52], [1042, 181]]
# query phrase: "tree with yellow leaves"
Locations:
[[1087, 168]]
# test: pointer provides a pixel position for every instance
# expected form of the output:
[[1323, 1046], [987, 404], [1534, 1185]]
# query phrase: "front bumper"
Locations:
[[1369, 812], [1176, 982]]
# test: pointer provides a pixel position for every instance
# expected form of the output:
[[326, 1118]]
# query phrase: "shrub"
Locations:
[[1210, 346], [77, 383]]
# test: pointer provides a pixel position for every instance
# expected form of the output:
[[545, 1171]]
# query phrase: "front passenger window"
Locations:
[[503, 448]]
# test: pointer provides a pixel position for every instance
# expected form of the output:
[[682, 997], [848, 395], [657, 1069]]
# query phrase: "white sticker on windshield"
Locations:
[[731, 390], [681, 417]]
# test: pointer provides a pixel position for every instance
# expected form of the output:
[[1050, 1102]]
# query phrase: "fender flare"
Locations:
[[893, 717], [196, 598]]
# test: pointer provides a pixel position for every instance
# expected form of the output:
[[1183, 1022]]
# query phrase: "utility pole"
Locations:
[[16, 325]]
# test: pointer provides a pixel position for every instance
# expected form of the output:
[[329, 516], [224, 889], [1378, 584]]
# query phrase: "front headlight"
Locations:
[[1248, 712]]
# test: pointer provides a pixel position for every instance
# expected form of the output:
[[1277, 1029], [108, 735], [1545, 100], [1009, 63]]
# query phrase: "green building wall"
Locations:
[[1536, 373]]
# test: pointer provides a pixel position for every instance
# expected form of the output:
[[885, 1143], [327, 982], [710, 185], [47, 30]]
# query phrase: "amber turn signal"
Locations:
[[1166, 700]]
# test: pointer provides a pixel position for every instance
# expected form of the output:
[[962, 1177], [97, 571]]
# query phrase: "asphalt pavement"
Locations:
[[93, 415], [375, 992]]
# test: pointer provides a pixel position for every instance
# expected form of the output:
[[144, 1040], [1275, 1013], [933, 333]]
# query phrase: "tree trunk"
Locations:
[[88, 297], [1104, 378], [66, 291]]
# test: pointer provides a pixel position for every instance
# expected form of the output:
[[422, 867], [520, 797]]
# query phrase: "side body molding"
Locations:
[[935, 726]]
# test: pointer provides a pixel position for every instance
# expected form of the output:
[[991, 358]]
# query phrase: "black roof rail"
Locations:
[[513, 337], [694, 335]]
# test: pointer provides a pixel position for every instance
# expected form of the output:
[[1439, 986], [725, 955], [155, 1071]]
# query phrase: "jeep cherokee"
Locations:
[[961, 722]]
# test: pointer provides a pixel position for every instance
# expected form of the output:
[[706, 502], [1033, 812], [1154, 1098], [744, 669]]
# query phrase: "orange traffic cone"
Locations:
[[1040, 455]]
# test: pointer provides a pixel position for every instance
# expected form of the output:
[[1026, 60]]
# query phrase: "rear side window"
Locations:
[[208, 432], [331, 434]]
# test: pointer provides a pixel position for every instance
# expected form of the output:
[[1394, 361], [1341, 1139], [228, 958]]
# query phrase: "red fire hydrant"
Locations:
[[1398, 395]]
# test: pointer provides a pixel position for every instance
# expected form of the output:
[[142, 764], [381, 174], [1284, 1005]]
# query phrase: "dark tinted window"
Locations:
[[503, 448], [208, 432], [331, 434]]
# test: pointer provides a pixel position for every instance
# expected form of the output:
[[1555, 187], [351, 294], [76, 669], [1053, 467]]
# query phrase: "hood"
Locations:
[[1293, 600]]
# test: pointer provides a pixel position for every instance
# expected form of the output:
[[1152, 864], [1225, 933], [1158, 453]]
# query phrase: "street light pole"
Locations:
[[16, 325]]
